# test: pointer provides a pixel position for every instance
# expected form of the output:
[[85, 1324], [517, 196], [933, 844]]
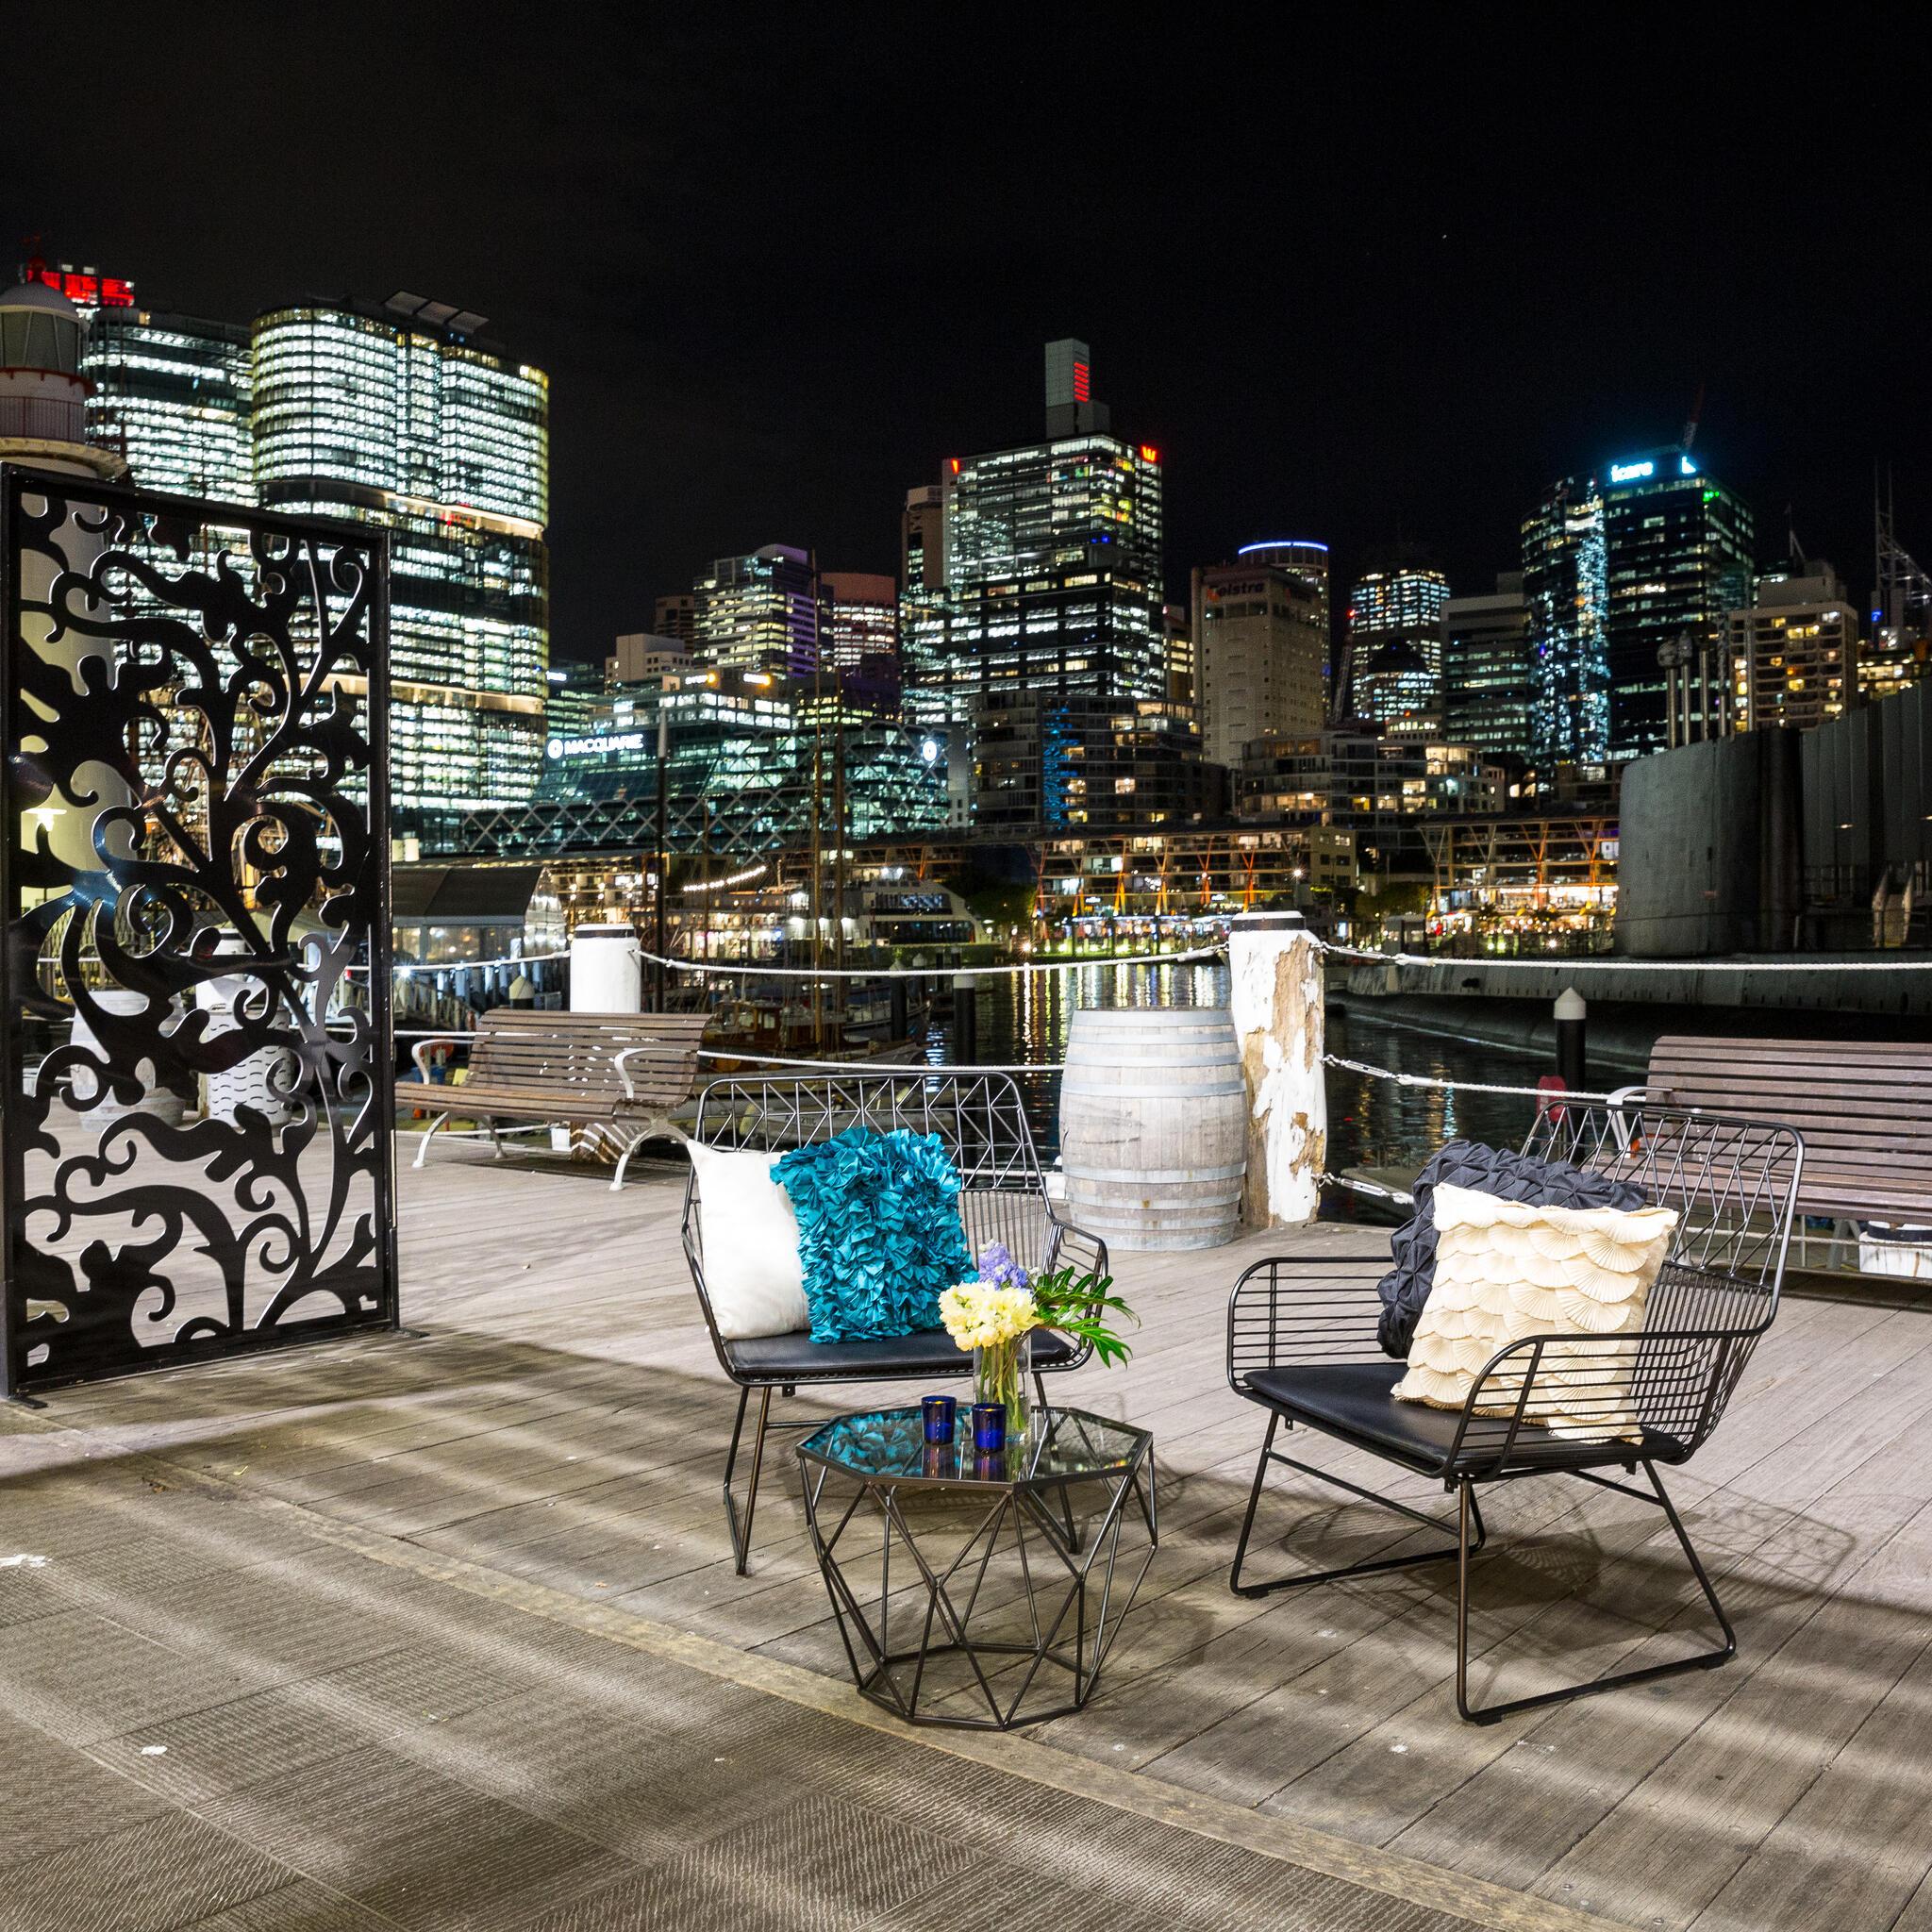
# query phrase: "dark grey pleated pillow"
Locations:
[[1493, 1170]]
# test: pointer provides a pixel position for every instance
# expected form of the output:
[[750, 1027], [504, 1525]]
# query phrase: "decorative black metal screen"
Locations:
[[195, 1128]]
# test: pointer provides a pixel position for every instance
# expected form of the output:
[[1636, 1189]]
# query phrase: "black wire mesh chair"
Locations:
[[982, 1124], [1301, 1343]]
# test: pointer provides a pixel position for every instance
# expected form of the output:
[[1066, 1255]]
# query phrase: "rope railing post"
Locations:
[[1573, 1014], [1275, 996]]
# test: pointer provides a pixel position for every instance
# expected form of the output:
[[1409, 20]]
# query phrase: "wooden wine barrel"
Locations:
[[1153, 1126]]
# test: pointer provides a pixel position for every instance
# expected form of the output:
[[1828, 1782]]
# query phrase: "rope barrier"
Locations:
[[1043, 1067], [408, 968], [764, 971], [1354, 1186], [766, 1059], [1556, 1096], [1561, 962], [1553, 1095]]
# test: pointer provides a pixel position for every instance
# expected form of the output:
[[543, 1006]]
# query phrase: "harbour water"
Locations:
[[1371, 1123]]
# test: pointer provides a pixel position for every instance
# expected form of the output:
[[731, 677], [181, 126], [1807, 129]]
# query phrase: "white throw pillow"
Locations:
[[752, 1270]]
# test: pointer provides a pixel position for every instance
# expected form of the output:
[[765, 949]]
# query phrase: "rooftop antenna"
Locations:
[[1689, 435]]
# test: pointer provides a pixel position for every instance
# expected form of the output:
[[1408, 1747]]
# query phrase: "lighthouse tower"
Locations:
[[43, 426], [43, 392]]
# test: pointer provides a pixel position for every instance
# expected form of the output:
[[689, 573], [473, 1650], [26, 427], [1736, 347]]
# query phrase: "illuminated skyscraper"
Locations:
[[1305, 557], [1564, 579], [1053, 565], [642, 658], [1045, 761], [175, 395], [923, 541], [858, 623], [402, 417], [677, 617], [1393, 660], [1678, 551], [1261, 643], [863, 612], [1178, 642], [746, 770], [1486, 670], [1789, 654], [759, 613]]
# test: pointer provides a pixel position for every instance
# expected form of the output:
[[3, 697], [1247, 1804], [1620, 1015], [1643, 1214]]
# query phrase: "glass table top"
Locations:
[[1060, 1445]]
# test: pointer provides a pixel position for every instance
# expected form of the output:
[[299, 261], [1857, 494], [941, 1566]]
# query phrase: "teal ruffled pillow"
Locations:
[[878, 1231]]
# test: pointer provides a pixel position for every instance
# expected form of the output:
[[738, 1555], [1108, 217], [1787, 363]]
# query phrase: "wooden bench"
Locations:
[[1863, 1108], [625, 1071]]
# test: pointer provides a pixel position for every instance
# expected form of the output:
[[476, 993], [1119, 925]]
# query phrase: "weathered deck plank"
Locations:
[[564, 1425]]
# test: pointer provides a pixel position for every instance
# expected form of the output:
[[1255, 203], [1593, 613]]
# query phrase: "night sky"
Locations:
[[1372, 284]]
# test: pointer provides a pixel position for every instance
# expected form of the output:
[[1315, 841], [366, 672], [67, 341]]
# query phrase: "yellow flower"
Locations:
[[978, 1314]]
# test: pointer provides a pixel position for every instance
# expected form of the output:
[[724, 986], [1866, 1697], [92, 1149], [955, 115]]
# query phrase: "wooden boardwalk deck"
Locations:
[[556, 1441]]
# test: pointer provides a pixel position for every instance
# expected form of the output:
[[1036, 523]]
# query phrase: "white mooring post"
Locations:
[[1277, 1006], [607, 972]]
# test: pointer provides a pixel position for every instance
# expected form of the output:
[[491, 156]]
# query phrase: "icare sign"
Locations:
[[1645, 468]]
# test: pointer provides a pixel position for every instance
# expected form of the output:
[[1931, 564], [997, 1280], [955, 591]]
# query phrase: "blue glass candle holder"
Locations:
[[988, 1426], [939, 1413]]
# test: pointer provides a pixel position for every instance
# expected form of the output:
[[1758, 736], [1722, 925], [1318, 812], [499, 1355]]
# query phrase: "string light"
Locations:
[[736, 878]]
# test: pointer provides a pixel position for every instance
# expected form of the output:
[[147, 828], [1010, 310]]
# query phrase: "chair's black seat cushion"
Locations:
[[929, 1352], [1493, 1170], [1355, 1401]]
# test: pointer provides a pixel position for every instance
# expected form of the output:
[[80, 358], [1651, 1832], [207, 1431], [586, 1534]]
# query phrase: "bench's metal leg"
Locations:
[[741, 1525], [1703, 1660], [624, 1164], [429, 1134], [1369, 1568], [496, 1139]]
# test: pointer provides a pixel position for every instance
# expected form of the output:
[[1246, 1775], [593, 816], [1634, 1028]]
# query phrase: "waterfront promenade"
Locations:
[[443, 1632]]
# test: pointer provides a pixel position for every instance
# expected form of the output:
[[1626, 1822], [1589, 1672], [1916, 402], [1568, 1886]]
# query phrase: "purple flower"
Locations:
[[997, 1266]]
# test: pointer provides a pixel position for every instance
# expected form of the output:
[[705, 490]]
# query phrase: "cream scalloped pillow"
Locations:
[[1510, 1270]]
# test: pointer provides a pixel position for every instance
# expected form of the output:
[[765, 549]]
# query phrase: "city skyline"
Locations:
[[1448, 329]]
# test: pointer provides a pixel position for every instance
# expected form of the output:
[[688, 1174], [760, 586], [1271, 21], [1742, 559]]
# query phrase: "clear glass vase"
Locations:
[[1000, 1374]]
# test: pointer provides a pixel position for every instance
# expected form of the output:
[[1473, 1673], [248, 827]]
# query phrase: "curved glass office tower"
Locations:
[[404, 416]]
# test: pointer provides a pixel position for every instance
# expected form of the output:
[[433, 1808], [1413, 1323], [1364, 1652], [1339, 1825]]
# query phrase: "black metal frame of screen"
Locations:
[[221, 656]]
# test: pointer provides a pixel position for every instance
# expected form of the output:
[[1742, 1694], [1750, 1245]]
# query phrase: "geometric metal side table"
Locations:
[[1001, 1580]]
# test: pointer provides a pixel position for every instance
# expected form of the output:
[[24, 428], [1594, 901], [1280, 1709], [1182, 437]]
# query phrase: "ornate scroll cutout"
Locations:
[[195, 722]]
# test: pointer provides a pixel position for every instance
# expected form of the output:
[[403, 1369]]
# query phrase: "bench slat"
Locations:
[[552, 1066], [1864, 1109]]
